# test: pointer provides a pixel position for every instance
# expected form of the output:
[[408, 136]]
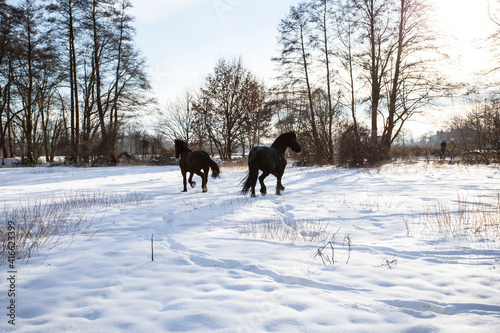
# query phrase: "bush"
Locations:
[[480, 157], [413, 152], [354, 150]]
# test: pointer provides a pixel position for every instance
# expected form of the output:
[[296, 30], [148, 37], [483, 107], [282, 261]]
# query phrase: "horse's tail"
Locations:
[[214, 167], [253, 174]]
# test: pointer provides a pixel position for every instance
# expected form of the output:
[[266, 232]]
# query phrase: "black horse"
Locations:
[[195, 162], [271, 160]]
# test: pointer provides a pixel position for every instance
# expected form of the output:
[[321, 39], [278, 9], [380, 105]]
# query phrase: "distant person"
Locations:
[[443, 149], [452, 146]]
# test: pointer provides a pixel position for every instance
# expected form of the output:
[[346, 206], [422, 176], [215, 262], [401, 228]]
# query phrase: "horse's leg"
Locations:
[[204, 178], [252, 193], [203, 183], [193, 184], [279, 186], [263, 189], [184, 180]]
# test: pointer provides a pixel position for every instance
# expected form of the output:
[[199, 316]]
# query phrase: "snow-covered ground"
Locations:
[[224, 262]]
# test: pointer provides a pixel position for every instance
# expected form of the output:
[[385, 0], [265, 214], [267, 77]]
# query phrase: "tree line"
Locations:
[[477, 130], [69, 78]]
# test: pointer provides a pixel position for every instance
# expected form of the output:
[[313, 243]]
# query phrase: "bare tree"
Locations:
[[373, 20], [8, 46], [79, 84], [396, 63], [322, 14], [346, 54], [494, 15], [231, 94], [68, 13], [115, 85], [177, 121], [478, 129], [37, 76], [297, 41], [410, 82]]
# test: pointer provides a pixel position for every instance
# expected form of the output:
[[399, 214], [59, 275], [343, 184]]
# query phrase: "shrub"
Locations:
[[413, 152], [354, 149]]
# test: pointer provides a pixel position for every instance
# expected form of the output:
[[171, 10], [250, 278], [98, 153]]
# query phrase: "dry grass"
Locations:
[[39, 223], [99, 198], [327, 252], [49, 221], [292, 231], [479, 216], [239, 165], [422, 166]]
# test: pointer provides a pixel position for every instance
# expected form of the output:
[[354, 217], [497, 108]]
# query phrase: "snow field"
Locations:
[[213, 272]]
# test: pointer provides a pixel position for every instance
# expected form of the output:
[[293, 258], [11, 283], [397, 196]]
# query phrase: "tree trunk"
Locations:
[[388, 132], [309, 95], [75, 112]]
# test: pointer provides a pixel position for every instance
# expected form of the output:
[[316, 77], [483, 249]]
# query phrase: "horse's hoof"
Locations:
[[193, 184], [184, 190], [205, 190], [252, 195]]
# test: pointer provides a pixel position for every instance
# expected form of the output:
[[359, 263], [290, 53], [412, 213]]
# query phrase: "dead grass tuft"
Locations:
[[478, 216], [49, 221], [235, 165], [293, 231]]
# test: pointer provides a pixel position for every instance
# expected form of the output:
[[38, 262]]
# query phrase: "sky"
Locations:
[[466, 24], [183, 39]]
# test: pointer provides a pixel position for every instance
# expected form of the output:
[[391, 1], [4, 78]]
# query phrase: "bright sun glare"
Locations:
[[466, 24], [466, 19]]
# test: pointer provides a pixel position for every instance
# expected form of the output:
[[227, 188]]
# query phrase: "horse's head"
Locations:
[[292, 142], [179, 147]]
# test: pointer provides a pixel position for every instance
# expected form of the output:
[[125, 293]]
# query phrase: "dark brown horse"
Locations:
[[195, 162], [270, 161]]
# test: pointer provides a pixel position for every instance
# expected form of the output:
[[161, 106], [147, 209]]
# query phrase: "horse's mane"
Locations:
[[180, 142], [182, 145], [282, 139]]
